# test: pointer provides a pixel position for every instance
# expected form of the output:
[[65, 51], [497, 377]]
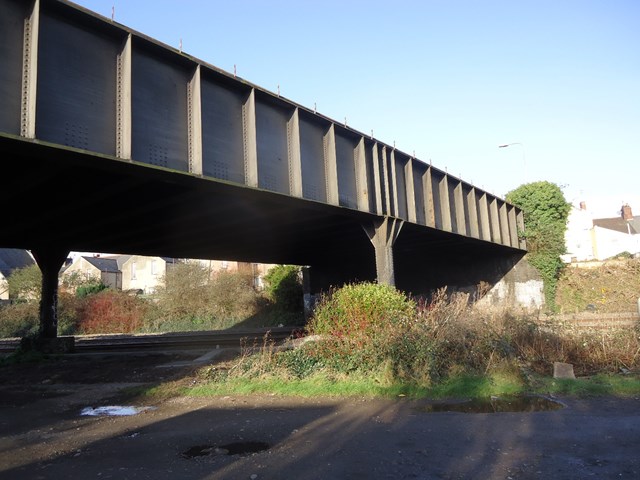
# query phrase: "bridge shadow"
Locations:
[[305, 439]]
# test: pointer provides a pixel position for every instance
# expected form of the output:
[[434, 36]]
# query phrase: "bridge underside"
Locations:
[[87, 202], [113, 142]]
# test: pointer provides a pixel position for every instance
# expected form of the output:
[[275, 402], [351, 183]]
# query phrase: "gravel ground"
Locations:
[[44, 436]]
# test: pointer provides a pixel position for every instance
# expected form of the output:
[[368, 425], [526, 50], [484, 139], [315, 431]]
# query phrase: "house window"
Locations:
[[133, 270], [154, 267], [225, 265]]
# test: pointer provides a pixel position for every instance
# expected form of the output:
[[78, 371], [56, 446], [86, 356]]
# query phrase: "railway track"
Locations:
[[171, 341]]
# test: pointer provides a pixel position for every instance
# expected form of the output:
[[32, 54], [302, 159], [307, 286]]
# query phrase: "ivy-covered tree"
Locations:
[[545, 219]]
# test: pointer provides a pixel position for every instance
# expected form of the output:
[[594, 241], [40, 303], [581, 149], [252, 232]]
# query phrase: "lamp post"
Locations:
[[524, 162]]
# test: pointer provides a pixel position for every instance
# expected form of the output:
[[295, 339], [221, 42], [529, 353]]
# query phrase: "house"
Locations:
[[12, 259], [588, 238], [612, 236], [122, 272], [141, 273], [257, 271]]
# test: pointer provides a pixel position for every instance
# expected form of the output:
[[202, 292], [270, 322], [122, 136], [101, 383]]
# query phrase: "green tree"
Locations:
[[545, 219], [25, 284], [80, 283], [284, 287]]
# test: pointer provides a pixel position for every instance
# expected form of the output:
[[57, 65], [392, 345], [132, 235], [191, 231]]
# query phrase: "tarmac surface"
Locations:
[[44, 434]]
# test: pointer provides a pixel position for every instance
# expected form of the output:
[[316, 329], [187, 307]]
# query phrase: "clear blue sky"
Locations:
[[448, 79]]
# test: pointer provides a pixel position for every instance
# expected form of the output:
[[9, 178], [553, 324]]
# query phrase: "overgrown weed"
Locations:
[[374, 340]]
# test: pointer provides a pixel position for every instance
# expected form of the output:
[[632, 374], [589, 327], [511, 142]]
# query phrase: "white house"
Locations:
[[137, 272], [578, 236], [588, 238], [122, 272]]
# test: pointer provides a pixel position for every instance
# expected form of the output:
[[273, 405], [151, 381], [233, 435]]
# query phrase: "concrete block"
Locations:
[[563, 370]]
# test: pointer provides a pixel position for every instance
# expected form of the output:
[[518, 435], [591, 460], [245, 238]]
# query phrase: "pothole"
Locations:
[[497, 404], [236, 448]]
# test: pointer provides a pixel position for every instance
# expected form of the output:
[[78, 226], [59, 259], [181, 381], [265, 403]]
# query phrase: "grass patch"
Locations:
[[462, 386], [596, 385], [313, 386], [325, 384], [472, 386]]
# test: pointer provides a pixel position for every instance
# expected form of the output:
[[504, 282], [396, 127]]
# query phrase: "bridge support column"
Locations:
[[383, 235], [50, 260]]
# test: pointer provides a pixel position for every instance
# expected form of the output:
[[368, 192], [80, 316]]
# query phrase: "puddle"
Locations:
[[522, 403], [238, 448], [114, 410]]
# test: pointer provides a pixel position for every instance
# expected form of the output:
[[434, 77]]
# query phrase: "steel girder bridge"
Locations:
[[122, 144]]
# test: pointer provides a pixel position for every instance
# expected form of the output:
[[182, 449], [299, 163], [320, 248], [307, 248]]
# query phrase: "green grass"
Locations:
[[470, 386], [462, 386], [359, 385], [616, 385], [315, 386]]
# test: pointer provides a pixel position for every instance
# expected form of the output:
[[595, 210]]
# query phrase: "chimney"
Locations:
[[583, 205], [626, 212]]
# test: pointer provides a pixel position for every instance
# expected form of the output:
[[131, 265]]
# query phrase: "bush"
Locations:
[[284, 288], [90, 289], [22, 319], [19, 319], [182, 293], [365, 325], [192, 300], [232, 297], [367, 309], [69, 310], [376, 332], [111, 311]]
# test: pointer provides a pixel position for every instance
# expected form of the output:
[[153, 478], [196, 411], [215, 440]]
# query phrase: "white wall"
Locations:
[[578, 236], [608, 243]]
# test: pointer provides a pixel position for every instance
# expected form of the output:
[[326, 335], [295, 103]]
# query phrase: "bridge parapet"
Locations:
[[83, 81]]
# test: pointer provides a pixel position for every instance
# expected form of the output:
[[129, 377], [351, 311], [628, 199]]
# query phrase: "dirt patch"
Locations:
[[609, 287]]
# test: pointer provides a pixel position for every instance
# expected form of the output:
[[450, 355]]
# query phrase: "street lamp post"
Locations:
[[524, 162]]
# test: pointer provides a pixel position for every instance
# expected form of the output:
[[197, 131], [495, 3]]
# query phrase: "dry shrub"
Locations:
[[191, 299], [444, 315], [591, 350], [375, 330], [460, 340], [539, 344], [479, 339], [19, 319], [232, 297], [256, 360], [111, 311]]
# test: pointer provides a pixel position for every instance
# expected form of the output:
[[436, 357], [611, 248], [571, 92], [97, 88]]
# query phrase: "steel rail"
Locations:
[[171, 341]]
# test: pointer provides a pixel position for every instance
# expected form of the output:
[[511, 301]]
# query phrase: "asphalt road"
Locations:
[[43, 434]]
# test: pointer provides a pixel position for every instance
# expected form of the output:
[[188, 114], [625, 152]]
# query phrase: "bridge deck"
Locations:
[[132, 146]]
